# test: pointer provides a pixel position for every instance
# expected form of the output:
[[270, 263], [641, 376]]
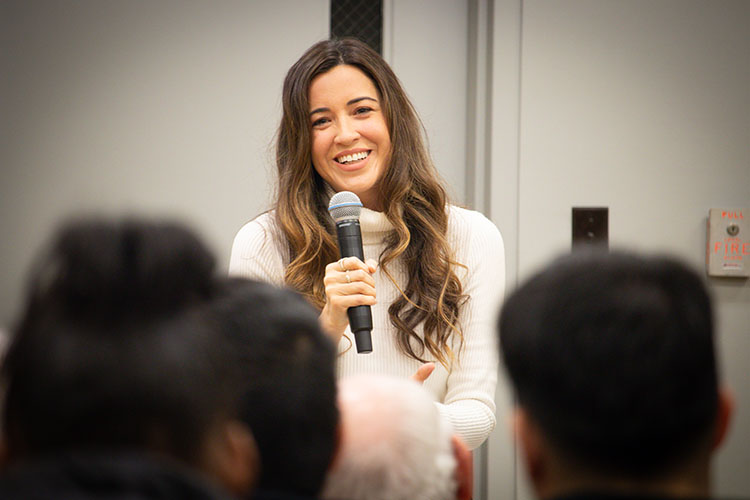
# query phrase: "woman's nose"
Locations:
[[347, 132]]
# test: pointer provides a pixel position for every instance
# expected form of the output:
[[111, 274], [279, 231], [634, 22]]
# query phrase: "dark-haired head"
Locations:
[[612, 355], [112, 351], [289, 387]]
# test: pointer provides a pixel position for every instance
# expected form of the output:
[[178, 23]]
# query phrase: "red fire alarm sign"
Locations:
[[728, 249]]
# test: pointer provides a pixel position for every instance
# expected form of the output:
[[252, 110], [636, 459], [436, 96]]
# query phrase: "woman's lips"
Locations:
[[353, 161]]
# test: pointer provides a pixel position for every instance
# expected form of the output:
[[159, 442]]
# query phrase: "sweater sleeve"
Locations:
[[469, 402], [257, 253]]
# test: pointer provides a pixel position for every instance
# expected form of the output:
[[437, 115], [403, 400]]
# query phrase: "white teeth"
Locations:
[[354, 157]]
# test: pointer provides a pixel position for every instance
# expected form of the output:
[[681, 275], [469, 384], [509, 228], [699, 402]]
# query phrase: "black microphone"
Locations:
[[345, 208]]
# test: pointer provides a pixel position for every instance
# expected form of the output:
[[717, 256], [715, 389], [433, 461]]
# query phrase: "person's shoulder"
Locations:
[[260, 232], [464, 222], [263, 222], [261, 225]]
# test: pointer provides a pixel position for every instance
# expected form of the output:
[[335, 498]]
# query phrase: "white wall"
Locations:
[[643, 107], [426, 45], [162, 108]]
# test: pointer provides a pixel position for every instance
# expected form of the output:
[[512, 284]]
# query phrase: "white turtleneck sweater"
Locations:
[[464, 392]]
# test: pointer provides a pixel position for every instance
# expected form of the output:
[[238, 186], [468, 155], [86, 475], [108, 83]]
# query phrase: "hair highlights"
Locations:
[[416, 204]]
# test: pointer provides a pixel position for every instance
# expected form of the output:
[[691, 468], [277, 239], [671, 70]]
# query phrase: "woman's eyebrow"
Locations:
[[358, 99], [349, 103]]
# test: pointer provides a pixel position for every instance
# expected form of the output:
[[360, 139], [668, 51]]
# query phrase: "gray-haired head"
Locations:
[[395, 444], [345, 205]]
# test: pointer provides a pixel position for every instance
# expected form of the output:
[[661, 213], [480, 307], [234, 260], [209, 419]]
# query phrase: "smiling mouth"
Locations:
[[353, 158]]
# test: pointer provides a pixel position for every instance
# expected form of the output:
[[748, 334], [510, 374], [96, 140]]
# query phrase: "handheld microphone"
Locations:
[[345, 208]]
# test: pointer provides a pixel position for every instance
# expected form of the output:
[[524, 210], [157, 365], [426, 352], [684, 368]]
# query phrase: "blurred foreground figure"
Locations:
[[117, 383], [288, 385], [613, 363], [395, 445]]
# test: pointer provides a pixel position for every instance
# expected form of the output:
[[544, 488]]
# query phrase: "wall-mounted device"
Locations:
[[728, 242], [590, 226]]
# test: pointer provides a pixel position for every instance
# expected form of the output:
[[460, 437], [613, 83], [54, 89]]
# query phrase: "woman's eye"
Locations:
[[362, 110], [319, 122]]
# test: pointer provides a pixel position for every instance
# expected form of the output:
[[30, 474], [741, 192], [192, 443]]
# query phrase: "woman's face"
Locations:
[[350, 141]]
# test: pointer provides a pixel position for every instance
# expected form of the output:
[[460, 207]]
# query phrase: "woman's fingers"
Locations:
[[355, 272], [354, 287], [423, 372], [346, 301], [348, 283], [352, 263]]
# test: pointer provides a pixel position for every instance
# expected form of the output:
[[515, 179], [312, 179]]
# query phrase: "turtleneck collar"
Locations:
[[375, 225]]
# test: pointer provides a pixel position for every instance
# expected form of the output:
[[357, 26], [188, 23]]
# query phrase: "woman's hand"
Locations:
[[348, 283], [423, 372]]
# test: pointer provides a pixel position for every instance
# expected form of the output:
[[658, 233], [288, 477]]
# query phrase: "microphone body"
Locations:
[[350, 245]]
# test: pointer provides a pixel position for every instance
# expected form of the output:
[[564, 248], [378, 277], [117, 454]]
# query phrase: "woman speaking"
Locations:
[[433, 274]]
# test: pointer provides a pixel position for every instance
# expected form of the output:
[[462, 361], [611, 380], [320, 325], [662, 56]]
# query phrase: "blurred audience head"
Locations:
[[114, 351], [289, 382], [395, 445], [612, 359]]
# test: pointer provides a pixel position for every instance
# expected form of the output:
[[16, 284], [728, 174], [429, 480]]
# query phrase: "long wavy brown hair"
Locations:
[[417, 205]]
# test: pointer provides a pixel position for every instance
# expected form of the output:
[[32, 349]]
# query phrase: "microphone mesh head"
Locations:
[[345, 205]]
